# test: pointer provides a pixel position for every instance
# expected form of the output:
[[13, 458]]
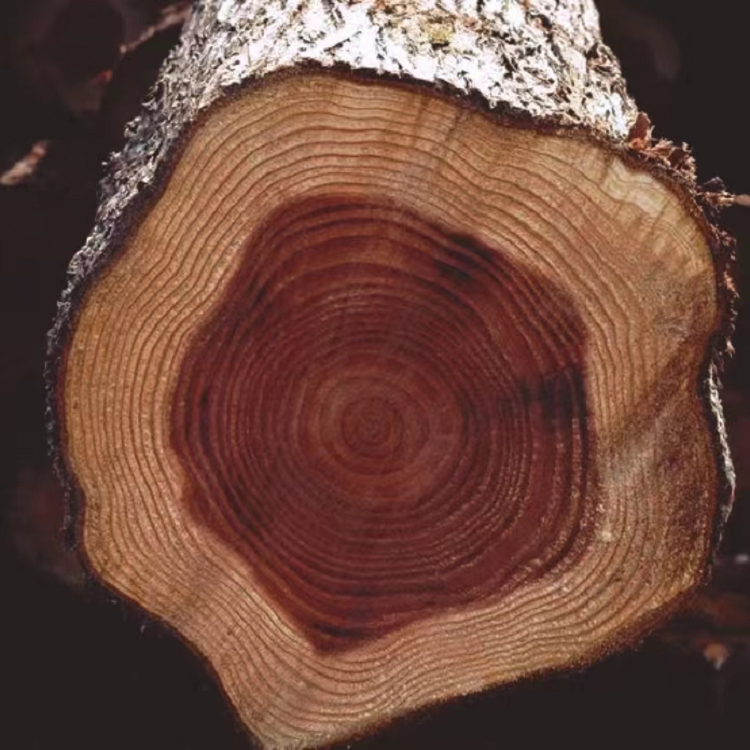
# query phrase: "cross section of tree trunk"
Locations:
[[388, 372]]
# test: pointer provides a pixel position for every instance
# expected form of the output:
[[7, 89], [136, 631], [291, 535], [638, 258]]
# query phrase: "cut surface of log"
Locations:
[[384, 398], [370, 379]]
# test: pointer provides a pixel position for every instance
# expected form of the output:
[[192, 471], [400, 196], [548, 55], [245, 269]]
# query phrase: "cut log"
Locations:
[[389, 370]]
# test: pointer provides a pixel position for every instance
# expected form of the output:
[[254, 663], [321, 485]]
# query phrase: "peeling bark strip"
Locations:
[[388, 372]]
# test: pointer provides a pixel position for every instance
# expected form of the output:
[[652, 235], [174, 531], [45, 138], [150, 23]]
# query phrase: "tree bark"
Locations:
[[388, 372]]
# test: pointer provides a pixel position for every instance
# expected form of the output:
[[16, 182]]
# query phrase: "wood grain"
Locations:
[[386, 402]]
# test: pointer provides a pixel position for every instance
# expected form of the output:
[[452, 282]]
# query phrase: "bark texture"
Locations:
[[542, 60]]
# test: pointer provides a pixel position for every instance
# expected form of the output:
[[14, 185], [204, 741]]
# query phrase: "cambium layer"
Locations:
[[375, 395]]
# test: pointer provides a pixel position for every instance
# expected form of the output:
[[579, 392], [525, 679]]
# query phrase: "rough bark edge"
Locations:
[[137, 176]]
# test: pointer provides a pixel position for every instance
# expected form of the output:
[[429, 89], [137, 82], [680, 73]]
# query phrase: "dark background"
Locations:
[[79, 669]]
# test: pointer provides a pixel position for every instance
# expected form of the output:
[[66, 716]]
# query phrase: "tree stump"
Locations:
[[389, 370]]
